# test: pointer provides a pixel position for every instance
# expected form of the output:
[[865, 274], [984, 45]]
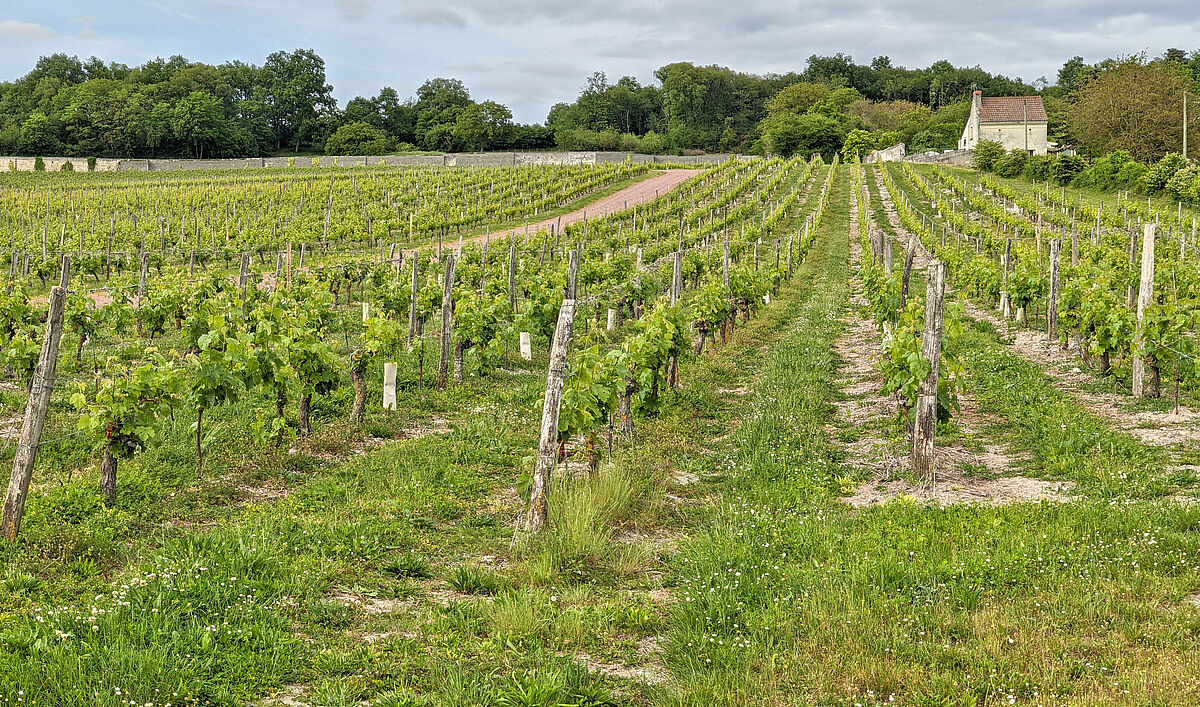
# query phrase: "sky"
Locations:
[[531, 54]]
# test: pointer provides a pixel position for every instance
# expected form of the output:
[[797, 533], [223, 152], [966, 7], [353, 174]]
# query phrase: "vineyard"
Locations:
[[782, 432]]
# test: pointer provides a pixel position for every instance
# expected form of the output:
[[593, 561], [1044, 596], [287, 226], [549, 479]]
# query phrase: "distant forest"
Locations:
[[177, 108]]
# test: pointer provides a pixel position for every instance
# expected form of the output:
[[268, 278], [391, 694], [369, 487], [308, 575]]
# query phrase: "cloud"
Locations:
[[27, 30], [428, 14], [353, 10]]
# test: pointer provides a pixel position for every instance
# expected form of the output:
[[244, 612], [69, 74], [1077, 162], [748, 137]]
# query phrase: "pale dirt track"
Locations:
[[640, 193]]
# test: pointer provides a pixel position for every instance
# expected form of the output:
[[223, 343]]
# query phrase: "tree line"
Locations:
[[178, 108]]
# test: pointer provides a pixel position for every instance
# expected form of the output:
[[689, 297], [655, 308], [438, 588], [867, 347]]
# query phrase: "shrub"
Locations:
[[1182, 185], [1066, 167], [67, 166], [1040, 167], [39, 165], [91, 164], [1156, 177], [1012, 164], [1103, 172], [358, 138], [987, 153]]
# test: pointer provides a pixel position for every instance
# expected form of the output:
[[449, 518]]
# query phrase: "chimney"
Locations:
[[977, 110]]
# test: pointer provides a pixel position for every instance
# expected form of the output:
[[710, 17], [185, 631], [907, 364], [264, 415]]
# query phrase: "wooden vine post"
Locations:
[[925, 431], [447, 321], [537, 512], [1144, 297], [1052, 299], [35, 411], [412, 303], [910, 252]]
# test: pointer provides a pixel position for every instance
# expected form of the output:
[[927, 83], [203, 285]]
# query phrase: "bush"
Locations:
[[655, 144], [1155, 179], [1183, 184], [1066, 167], [67, 166], [1103, 172], [1040, 167], [987, 153], [1011, 164], [358, 138], [91, 164], [39, 165]]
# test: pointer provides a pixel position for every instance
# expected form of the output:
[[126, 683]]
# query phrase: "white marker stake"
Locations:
[[526, 347], [366, 311], [389, 386], [612, 319]]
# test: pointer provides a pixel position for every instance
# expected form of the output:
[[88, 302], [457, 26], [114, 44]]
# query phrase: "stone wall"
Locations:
[[895, 153], [954, 157], [54, 164], [467, 159]]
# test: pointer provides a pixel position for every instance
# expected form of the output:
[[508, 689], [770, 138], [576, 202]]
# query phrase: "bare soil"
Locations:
[[964, 475], [639, 193]]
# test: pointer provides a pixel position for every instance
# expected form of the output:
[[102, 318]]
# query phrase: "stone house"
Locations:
[[1017, 122]]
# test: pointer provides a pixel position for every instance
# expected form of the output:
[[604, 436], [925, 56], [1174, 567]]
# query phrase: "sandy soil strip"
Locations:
[[639, 193]]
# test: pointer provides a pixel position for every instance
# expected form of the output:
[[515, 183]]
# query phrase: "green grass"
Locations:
[[389, 577]]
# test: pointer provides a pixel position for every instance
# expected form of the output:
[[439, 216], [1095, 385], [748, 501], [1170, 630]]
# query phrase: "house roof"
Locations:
[[1012, 109]]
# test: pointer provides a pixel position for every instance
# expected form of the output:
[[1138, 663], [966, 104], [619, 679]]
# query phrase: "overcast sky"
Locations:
[[530, 54]]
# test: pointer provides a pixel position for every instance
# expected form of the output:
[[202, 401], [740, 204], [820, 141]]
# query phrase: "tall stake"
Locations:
[[537, 512], [1145, 295], [447, 321], [35, 411], [925, 431], [1052, 303]]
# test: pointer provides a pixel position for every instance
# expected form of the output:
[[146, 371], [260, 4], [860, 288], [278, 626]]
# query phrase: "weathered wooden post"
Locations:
[[1145, 295], [1052, 300], [141, 291], [447, 321], [512, 275], [909, 252], [412, 303], [537, 512], [677, 278], [35, 411], [925, 431]]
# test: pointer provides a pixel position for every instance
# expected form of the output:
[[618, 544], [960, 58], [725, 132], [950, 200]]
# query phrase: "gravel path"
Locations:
[[640, 193]]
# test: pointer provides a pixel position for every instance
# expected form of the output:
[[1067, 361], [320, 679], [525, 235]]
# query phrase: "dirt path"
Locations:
[[966, 473], [1158, 429], [639, 193]]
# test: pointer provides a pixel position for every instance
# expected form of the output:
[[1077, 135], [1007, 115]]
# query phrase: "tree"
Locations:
[[1133, 105], [39, 136], [858, 144], [297, 92], [439, 103], [790, 134], [358, 138], [797, 98], [198, 121], [1072, 75], [483, 125]]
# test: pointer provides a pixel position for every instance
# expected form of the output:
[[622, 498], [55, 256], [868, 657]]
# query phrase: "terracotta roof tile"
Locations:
[[1011, 109]]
